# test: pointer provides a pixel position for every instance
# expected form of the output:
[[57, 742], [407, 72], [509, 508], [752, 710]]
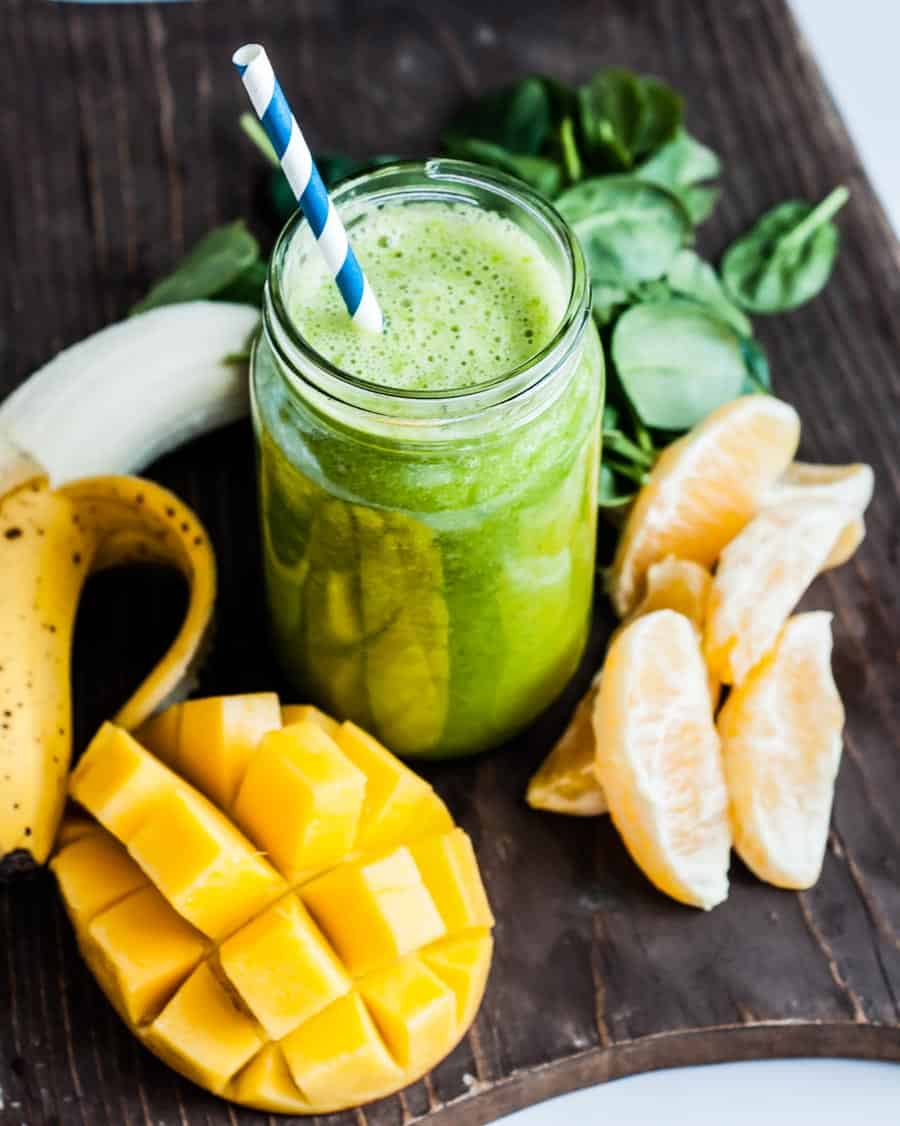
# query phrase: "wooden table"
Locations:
[[120, 147]]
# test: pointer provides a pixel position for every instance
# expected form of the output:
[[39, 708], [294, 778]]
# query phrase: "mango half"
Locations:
[[275, 905]]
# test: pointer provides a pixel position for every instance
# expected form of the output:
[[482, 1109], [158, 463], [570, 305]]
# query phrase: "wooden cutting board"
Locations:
[[119, 147]]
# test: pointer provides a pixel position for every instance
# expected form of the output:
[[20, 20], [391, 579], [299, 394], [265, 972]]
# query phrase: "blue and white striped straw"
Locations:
[[282, 129]]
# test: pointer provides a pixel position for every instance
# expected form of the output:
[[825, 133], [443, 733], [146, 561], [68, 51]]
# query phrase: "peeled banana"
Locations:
[[121, 398]]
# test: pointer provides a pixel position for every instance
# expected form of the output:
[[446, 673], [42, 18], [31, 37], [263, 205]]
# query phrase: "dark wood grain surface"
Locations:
[[118, 148]]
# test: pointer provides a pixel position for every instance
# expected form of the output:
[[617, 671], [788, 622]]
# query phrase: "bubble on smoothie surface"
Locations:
[[467, 295]]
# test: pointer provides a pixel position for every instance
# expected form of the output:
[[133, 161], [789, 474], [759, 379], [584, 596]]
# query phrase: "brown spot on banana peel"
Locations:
[[101, 521]]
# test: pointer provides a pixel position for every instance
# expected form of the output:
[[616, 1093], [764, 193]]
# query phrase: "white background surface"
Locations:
[[856, 47]]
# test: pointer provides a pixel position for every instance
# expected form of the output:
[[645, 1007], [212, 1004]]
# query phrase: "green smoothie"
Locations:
[[432, 585]]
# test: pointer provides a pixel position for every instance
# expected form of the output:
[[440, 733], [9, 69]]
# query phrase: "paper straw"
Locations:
[[282, 129]]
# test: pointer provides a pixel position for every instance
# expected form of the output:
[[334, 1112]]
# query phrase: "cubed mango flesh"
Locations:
[[305, 932], [339, 1057], [95, 872], [218, 738], [374, 911], [299, 713], [282, 966], [204, 1033], [414, 1010], [207, 870], [267, 1083], [450, 872], [118, 781], [301, 799], [463, 962], [141, 949], [393, 791]]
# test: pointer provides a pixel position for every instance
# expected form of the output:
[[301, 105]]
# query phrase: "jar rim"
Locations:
[[431, 179]]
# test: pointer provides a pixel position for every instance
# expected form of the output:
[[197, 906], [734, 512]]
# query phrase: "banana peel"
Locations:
[[51, 540]]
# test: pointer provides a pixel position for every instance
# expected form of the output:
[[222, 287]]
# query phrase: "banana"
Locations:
[[50, 541], [124, 396]]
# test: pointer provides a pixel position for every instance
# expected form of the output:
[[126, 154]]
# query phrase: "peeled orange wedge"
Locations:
[[761, 576], [781, 745], [659, 760], [703, 490], [847, 485], [567, 781]]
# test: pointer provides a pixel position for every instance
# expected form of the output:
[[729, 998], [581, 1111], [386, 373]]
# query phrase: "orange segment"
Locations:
[[567, 780], [703, 490], [761, 577], [781, 743], [848, 485], [659, 761]]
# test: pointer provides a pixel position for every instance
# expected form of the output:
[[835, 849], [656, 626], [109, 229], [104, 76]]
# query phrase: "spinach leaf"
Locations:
[[214, 264], [252, 126], [689, 276], [786, 258], [516, 118], [630, 231], [676, 362], [615, 493], [759, 375], [624, 118], [544, 175], [247, 288], [607, 299], [682, 167], [568, 147]]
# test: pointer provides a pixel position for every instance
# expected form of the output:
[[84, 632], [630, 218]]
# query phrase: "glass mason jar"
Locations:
[[429, 556]]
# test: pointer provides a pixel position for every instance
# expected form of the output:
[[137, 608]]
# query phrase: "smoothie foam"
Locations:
[[467, 296]]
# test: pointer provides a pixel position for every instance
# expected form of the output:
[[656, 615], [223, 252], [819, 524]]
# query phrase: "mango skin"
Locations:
[[329, 966]]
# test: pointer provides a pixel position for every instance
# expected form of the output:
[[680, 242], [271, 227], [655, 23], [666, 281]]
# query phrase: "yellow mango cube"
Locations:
[[450, 872], [463, 962], [414, 1010], [339, 1058], [301, 713], [374, 911], [141, 949], [218, 738], [160, 735], [95, 871], [203, 1033], [301, 799], [206, 869], [393, 791], [117, 781], [267, 1083], [283, 968]]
